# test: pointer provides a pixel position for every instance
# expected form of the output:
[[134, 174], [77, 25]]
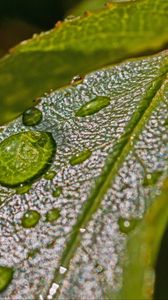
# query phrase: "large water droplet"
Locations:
[[127, 225], [80, 157], [93, 106], [52, 215], [6, 276], [32, 116], [30, 218], [25, 156]]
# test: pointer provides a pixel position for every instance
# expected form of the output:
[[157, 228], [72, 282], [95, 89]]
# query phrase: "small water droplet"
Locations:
[[127, 225], [30, 219], [57, 192], [76, 80], [152, 179], [99, 269], [80, 157], [32, 253], [93, 106], [82, 230], [6, 276], [62, 270], [53, 290], [50, 175], [52, 215], [23, 189], [32, 116], [24, 157]]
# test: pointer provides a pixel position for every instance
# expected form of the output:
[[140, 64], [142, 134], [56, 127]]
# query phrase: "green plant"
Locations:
[[93, 185]]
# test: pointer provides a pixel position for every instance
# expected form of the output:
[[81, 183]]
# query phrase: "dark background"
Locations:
[[19, 19]]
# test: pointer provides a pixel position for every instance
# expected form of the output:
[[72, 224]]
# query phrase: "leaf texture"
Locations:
[[81, 254]]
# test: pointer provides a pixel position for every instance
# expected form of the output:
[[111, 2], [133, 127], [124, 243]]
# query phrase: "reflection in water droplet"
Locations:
[[80, 157], [93, 106], [52, 215], [76, 80], [30, 219], [53, 290], [6, 276], [82, 230], [32, 116], [23, 189], [25, 156], [57, 192], [152, 178], [125, 225], [50, 175], [62, 270]]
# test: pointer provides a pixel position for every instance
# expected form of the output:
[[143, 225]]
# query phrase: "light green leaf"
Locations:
[[78, 46], [120, 155]]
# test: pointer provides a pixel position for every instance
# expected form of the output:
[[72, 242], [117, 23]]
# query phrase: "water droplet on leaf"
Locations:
[[93, 106], [62, 270], [30, 219], [127, 225], [32, 116], [76, 80], [50, 175], [152, 178], [80, 157], [32, 253], [57, 192], [6, 276], [25, 156], [52, 215], [23, 189]]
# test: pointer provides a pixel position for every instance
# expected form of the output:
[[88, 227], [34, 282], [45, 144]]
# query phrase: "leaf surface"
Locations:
[[107, 168], [79, 46]]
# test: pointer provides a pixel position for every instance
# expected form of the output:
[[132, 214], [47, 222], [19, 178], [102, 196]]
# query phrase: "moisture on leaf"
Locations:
[[30, 219], [6, 275], [32, 116], [25, 156]]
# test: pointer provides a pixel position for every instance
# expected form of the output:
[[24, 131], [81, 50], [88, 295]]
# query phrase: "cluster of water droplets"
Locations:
[[74, 131]]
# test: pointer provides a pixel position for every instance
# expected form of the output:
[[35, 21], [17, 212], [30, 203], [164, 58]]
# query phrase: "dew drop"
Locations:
[[23, 189], [32, 253], [50, 175], [76, 80], [99, 269], [62, 270], [82, 230], [152, 179], [30, 219], [6, 276], [57, 192], [93, 106], [127, 225], [80, 157], [25, 156], [32, 116], [52, 215]]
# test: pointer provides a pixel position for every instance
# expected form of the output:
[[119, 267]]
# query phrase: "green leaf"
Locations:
[[143, 248], [97, 186], [78, 46]]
